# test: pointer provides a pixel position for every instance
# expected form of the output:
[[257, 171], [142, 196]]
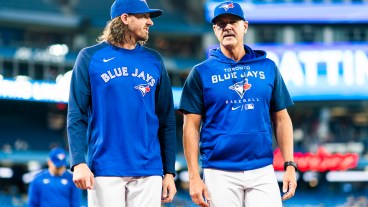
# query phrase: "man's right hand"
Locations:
[[83, 177], [198, 190]]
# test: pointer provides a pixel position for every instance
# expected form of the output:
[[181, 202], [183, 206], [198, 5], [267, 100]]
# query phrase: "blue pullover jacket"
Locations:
[[235, 100], [121, 112]]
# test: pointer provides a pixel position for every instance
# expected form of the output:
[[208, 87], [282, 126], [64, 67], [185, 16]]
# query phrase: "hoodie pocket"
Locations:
[[242, 147]]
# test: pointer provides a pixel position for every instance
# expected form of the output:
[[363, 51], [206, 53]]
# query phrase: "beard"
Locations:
[[139, 34], [143, 37], [142, 40]]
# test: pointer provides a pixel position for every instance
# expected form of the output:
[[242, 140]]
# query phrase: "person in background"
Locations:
[[121, 115], [231, 102], [54, 186]]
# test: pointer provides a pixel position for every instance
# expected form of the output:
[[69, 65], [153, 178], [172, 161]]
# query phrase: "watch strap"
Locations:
[[291, 163]]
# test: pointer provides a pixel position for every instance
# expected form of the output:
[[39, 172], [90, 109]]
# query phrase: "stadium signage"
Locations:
[[321, 161], [42, 55], [21, 89], [318, 72]]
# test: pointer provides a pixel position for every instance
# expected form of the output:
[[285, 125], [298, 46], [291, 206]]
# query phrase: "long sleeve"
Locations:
[[167, 122], [78, 109]]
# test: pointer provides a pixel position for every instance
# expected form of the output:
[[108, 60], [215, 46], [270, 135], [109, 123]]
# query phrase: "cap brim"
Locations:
[[58, 165], [153, 12], [214, 18]]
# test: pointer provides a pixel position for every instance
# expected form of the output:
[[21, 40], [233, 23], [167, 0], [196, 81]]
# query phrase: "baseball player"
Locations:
[[54, 186], [121, 114], [230, 103]]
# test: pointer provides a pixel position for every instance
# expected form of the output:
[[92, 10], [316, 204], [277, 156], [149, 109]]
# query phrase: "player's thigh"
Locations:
[[225, 188], [108, 191], [144, 191], [263, 189]]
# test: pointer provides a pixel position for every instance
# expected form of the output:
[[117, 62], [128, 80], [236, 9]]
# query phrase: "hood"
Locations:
[[250, 56]]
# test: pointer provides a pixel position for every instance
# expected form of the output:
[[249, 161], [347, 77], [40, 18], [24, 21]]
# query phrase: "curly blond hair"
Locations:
[[115, 33]]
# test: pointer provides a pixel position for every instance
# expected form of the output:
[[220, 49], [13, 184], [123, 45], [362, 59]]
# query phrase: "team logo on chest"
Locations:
[[143, 88], [241, 87]]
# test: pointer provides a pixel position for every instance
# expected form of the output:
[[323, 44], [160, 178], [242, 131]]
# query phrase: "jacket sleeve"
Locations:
[[167, 122], [281, 98], [78, 109]]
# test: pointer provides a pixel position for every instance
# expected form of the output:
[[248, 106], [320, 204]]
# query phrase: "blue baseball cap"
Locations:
[[228, 7], [120, 7], [58, 157]]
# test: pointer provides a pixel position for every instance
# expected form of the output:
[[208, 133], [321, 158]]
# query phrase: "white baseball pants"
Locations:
[[126, 192], [252, 188]]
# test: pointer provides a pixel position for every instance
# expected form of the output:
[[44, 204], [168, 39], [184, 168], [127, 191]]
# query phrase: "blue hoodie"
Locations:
[[48, 190], [235, 100], [121, 109]]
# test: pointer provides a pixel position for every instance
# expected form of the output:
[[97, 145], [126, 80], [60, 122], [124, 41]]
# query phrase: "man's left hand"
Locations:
[[289, 183], [168, 188]]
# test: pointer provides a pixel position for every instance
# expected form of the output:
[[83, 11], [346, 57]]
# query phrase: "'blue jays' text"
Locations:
[[123, 72]]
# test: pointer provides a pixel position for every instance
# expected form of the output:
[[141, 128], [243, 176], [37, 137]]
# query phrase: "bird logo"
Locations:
[[143, 88], [60, 156], [227, 6], [241, 87]]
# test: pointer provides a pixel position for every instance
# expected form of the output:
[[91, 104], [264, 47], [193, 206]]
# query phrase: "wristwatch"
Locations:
[[174, 174], [291, 163]]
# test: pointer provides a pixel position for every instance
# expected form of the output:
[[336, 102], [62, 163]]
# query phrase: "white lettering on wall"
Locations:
[[291, 69], [348, 66], [341, 67], [361, 67]]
